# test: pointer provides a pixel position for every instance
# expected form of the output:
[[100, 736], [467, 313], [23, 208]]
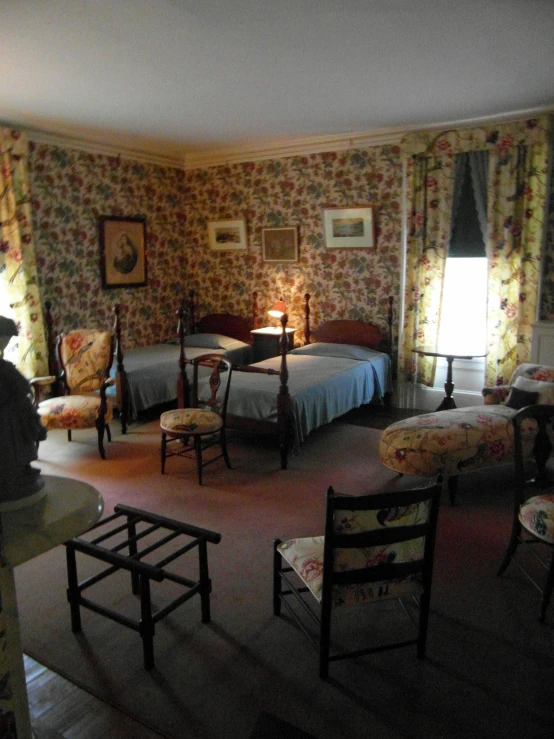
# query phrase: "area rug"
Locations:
[[489, 667]]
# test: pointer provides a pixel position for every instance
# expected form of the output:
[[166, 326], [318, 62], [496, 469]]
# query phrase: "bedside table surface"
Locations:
[[271, 331]]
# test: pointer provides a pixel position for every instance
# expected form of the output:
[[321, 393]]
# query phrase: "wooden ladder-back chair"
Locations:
[[195, 429], [533, 516], [376, 547], [84, 358]]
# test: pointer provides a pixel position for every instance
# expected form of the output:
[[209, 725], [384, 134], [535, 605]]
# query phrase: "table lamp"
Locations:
[[278, 309]]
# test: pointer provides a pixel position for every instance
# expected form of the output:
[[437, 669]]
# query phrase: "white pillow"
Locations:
[[544, 389]]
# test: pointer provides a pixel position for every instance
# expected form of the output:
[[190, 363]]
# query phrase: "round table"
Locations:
[[432, 351], [68, 508]]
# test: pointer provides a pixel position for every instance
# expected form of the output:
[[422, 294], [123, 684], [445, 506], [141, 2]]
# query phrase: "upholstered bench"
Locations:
[[465, 439]]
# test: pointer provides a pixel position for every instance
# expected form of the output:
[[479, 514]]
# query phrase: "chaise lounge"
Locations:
[[459, 440]]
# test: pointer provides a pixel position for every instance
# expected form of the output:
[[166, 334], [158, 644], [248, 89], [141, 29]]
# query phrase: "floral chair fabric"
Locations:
[[72, 412], [462, 439], [85, 357], [190, 421], [537, 516]]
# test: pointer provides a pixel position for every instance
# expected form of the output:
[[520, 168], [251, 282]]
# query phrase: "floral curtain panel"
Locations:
[[517, 180], [18, 272], [430, 186]]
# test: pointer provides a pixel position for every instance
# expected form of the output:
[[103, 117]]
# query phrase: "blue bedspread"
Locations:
[[152, 372], [322, 386]]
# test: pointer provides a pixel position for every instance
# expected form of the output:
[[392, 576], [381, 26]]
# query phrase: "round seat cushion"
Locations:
[[454, 441], [190, 421], [537, 516], [72, 412]]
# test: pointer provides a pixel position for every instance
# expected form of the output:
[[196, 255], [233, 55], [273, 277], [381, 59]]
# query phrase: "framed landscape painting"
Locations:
[[123, 251], [280, 244], [227, 235], [349, 228]]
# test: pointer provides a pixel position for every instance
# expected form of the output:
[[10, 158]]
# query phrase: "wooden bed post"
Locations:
[[122, 394], [283, 399], [254, 310], [307, 331], [389, 322], [183, 386], [192, 318]]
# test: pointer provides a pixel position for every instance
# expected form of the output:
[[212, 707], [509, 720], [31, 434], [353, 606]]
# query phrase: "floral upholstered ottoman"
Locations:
[[465, 439]]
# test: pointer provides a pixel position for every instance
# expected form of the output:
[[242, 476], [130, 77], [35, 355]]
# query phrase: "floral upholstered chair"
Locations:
[[465, 439], [188, 432], [85, 357], [376, 547], [533, 521]]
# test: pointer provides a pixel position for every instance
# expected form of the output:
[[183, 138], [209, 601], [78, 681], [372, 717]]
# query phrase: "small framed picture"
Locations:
[[123, 251], [280, 244], [349, 228], [227, 235]]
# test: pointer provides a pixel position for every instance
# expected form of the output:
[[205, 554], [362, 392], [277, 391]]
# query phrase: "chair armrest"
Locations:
[[495, 395], [43, 381]]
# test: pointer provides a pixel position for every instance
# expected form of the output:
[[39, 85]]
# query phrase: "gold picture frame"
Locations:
[[280, 244], [123, 251], [227, 235], [349, 228]]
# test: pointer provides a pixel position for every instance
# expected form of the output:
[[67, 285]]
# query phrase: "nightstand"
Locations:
[[266, 342]]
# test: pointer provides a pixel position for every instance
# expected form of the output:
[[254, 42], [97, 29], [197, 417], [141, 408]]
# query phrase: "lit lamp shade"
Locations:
[[278, 309]]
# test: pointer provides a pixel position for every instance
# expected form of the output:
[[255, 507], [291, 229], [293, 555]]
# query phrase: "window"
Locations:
[[463, 326]]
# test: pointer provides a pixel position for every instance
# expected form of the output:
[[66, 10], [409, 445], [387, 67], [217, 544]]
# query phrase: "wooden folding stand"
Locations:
[[141, 572]]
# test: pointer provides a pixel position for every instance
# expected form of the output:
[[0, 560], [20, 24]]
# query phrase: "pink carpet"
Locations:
[[489, 667]]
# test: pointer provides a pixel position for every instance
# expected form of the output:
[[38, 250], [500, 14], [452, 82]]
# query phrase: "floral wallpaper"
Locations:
[[70, 190], [546, 312], [343, 283]]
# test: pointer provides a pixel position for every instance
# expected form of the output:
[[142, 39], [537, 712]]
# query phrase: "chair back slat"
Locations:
[[381, 537], [216, 389]]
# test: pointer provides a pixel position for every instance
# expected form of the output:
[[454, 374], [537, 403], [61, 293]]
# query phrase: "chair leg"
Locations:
[[69, 434], [277, 562], [424, 605], [223, 440], [198, 450], [324, 643], [100, 428], [512, 545], [547, 592], [452, 488], [163, 450], [108, 432]]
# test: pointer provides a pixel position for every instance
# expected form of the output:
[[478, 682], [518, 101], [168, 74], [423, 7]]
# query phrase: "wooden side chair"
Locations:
[[191, 431], [533, 516], [85, 358], [376, 547]]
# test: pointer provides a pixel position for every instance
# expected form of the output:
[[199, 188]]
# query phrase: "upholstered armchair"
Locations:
[[85, 357]]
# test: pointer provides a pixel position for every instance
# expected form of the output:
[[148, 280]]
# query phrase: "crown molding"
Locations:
[[252, 151], [106, 147], [288, 147]]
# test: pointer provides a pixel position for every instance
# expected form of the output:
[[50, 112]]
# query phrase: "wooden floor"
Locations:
[[60, 709]]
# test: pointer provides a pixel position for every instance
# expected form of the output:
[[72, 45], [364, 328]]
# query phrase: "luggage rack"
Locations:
[[141, 572]]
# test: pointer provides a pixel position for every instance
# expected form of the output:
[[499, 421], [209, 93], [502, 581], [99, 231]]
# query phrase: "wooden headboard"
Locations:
[[228, 324], [350, 331]]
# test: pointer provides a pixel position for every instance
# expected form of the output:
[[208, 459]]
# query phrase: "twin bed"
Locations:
[[344, 364]]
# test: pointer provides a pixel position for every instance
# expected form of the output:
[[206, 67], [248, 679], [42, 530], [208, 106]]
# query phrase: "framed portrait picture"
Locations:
[[123, 251], [349, 228], [227, 235], [280, 244]]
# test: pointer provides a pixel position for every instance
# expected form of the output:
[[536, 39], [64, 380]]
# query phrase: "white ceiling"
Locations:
[[179, 76]]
